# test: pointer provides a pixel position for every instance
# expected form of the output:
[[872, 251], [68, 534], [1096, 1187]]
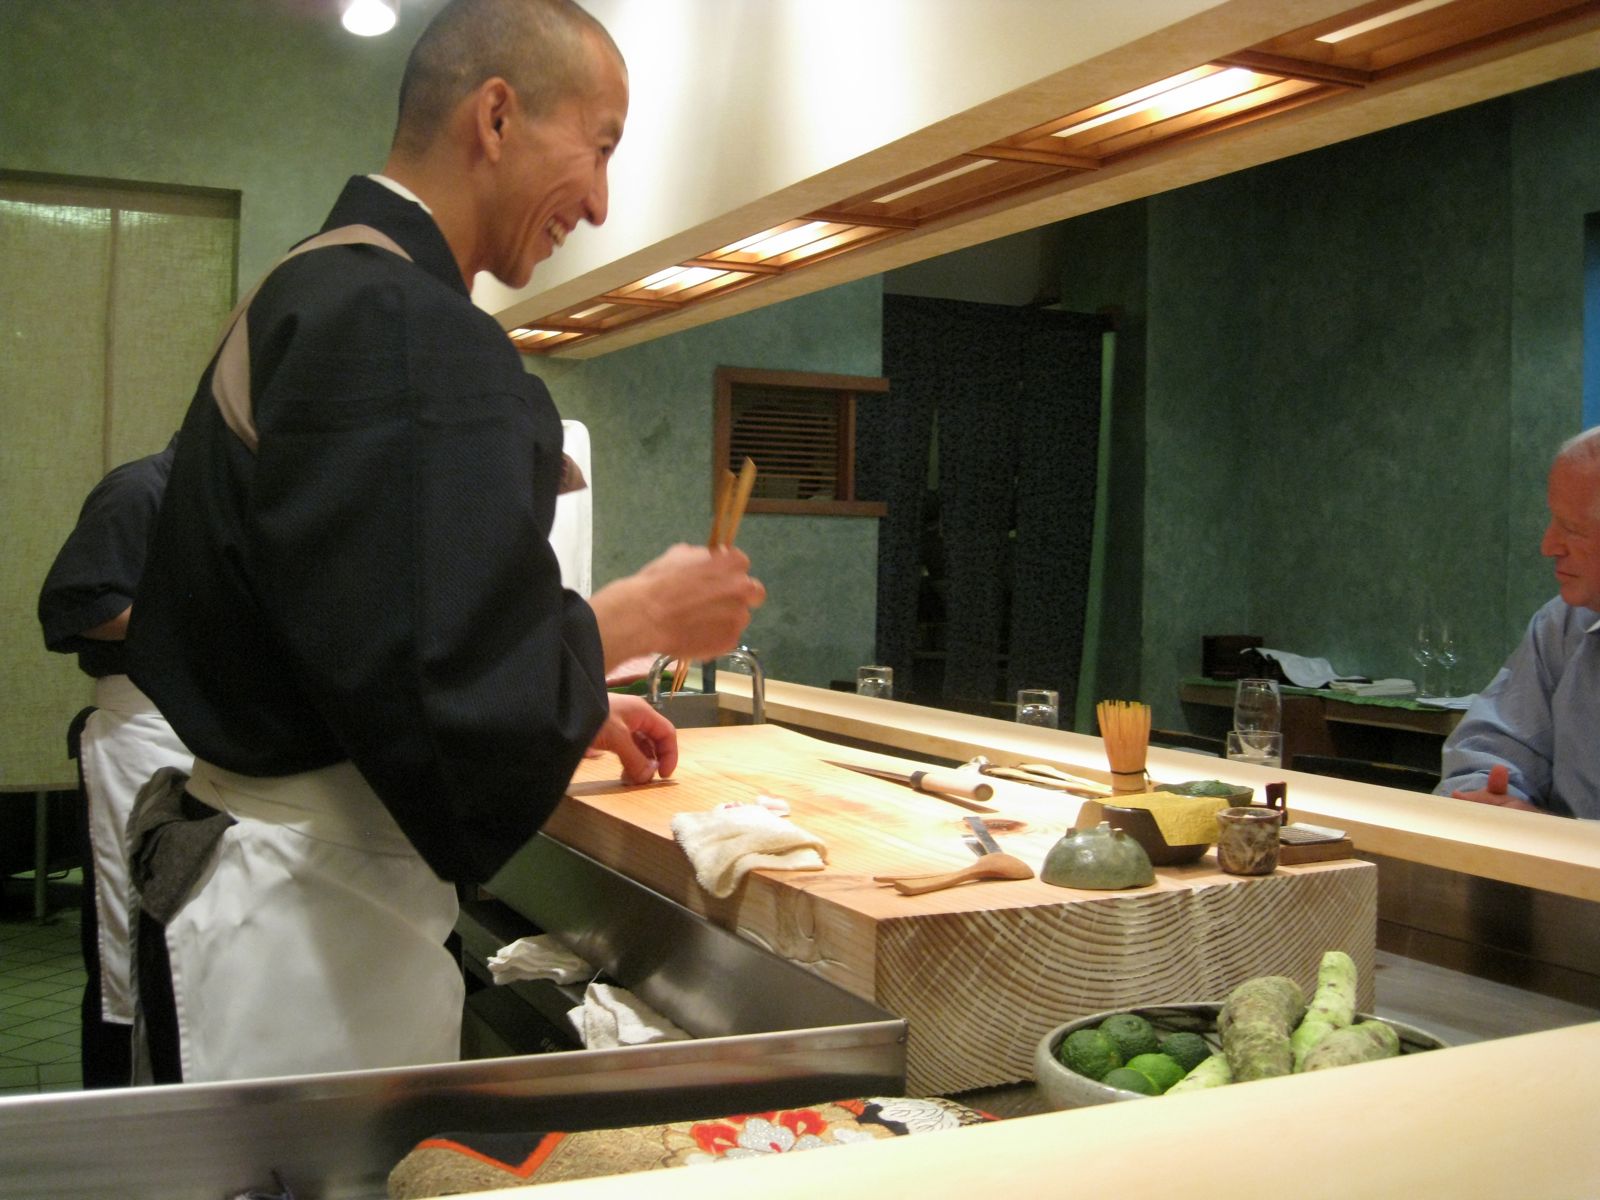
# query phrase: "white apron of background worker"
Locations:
[[125, 741]]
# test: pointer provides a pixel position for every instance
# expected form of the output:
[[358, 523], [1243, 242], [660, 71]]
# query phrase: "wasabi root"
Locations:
[[1213, 1072], [1367, 1041], [1256, 1022], [1333, 1005]]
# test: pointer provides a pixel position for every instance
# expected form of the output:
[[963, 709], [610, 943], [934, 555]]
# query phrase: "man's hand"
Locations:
[[642, 738], [690, 602], [1494, 792]]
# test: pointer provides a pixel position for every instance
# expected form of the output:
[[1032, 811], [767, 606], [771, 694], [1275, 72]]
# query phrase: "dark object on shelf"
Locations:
[[1410, 779], [1220, 654], [1182, 739]]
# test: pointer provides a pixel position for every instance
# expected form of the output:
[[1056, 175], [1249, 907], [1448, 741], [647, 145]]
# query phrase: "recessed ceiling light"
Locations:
[[1382, 19], [928, 183], [1180, 94], [369, 18]]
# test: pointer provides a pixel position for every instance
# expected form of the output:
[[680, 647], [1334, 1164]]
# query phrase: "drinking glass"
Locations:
[[1261, 747], [1257, 704], [1038, 706], [875, 681], [1423, 654], [1444, 653]]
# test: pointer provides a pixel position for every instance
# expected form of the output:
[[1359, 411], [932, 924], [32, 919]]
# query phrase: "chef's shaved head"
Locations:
[[542, 48]]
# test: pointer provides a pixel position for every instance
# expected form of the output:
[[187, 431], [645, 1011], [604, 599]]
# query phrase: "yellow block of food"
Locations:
[[1182, 820]]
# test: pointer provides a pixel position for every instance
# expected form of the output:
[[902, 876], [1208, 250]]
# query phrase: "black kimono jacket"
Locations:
[[376, 582]]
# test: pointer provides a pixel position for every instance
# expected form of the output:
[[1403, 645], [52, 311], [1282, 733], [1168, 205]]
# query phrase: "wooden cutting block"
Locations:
[[980, 971]]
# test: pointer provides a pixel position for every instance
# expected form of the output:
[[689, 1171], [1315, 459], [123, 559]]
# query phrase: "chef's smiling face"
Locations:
[[1572, 538], [555, 166]]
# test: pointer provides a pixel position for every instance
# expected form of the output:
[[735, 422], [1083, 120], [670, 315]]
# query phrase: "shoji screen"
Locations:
[[110, 300]]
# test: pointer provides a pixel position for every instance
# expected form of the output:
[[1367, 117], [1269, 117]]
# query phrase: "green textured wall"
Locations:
[[1357, 363], [270, 99], [649, 413]]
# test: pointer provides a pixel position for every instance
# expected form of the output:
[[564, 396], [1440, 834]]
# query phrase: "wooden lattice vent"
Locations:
[[800, 430]]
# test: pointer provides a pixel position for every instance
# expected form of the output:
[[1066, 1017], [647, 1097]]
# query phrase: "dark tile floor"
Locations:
[[41, 985]]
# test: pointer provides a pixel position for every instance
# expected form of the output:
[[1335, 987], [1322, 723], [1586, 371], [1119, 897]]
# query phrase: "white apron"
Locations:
[[315, 940], [125, 741]]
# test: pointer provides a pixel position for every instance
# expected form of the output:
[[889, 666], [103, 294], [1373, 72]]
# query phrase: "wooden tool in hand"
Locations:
[[993, 863], [726, 513]]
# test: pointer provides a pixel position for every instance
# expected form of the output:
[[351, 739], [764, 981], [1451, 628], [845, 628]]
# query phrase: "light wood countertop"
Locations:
[[1513, 1117], [1534, 850]]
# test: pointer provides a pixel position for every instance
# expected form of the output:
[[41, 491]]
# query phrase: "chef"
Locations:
[[84, 607], [352, 612]]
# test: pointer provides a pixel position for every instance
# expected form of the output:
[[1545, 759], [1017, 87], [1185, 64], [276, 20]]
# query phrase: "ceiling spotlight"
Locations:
[[369, 18]]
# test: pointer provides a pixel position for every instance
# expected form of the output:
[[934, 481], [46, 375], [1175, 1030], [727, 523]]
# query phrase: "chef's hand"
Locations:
[[642, 738], [1494, 791], [690, 602]]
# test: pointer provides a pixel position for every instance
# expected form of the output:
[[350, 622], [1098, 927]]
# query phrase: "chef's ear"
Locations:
[[492, 106]]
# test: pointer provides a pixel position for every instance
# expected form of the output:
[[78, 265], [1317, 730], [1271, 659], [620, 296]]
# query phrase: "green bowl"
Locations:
[[1237, 795]]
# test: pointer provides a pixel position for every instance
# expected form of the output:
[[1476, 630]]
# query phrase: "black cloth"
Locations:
[[376, 582], [105, 1048], [98, 567]]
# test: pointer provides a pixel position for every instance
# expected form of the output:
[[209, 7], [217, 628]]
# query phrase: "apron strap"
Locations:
[[230, 377]]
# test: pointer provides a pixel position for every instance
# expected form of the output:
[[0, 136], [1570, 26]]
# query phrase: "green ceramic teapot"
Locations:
[[1099, 859]]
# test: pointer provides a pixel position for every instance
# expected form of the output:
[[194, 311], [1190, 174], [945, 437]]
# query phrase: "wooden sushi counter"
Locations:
[[1512, 1116], [983, 970]]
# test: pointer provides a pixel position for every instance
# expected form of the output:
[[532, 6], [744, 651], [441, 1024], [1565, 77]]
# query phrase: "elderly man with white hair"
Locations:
[[1529, 740]]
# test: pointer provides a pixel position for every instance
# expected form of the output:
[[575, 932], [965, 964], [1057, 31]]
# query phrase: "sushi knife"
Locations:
[[966, 788]]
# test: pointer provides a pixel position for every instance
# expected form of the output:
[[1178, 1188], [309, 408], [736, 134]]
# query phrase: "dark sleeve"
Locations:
[[97, 570], [405, 485]]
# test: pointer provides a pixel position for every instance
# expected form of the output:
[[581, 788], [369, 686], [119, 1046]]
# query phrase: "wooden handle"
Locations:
[[968, 784]]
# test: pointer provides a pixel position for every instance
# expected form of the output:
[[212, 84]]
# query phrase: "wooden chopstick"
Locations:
[[727, 512]]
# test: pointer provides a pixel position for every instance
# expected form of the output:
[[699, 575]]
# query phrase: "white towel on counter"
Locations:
[[540, 957], [612, 1016], [732, 840]]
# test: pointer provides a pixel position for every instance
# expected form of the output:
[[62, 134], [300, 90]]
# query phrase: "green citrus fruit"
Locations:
[[1163, 1071], [1189, 1050], [1130, 1080], [1089, 1052], [1132, 1034]]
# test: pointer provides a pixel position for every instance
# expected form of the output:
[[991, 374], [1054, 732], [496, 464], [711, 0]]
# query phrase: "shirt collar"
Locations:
[[400, 189]]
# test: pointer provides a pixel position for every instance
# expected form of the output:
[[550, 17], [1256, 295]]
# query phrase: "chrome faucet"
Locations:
[[742, 655], [758, 682]]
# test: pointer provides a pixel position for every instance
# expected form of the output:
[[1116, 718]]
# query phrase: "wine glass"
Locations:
[[1257, 706], [1444, 653], [1423, 654]]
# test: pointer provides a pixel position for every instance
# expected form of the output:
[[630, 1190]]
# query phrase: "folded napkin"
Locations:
[[612, 1016], [1377, 687], [730, 841], [540, 957]]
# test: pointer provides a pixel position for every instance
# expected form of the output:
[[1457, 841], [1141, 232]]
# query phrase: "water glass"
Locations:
[[1039, 706], [875, 681], [1444, 653], [1260, 747], [1257, 704], [1422, 655]]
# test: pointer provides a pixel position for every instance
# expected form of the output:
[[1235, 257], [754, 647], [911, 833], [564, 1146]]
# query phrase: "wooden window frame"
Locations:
[[844, 389]]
